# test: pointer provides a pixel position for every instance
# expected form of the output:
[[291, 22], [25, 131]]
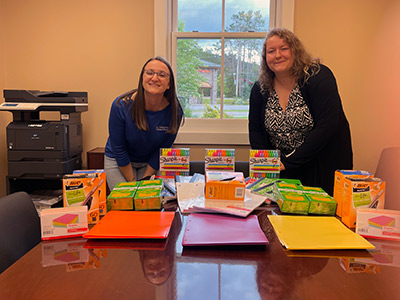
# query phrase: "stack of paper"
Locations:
[[191, 199]]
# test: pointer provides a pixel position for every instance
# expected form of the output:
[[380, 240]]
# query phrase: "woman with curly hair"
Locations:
[[295, 107]]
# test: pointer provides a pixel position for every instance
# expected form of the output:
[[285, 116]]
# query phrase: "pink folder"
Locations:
[[214, 230]]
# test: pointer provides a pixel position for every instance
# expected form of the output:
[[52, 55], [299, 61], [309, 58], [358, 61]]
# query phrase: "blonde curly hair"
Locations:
[[304, 65]]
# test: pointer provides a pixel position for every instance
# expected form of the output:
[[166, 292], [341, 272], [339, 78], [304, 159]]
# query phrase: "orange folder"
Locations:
[[132, 225]]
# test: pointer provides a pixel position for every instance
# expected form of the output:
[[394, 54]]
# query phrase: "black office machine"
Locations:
[[40, 148]]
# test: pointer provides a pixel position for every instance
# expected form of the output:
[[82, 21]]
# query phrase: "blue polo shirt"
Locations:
[[126, 143]]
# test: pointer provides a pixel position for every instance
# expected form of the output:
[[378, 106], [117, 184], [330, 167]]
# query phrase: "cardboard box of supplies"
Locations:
[[224, 185], [361, 193], [338, 188], [64, 222], [378, 223], [102, 190], [82, 189]]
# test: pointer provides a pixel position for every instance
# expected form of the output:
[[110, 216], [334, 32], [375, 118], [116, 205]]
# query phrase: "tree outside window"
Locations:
[[218, 52]]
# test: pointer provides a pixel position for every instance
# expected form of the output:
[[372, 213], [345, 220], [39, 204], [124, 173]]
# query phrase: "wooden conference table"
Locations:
[[80, 269]]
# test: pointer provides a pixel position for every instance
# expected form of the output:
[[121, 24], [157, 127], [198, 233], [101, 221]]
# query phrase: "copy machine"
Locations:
[[40, 148]]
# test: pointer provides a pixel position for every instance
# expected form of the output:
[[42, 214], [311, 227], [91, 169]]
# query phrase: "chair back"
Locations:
[[388, 169], [19, 228]]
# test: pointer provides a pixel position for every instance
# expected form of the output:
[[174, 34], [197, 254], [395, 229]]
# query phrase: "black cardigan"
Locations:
[[327, 146]]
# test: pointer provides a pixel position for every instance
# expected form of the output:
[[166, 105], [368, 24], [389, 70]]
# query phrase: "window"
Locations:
[[215, 49]]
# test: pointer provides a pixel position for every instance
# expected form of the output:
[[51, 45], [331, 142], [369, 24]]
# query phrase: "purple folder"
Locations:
[[214, 230]]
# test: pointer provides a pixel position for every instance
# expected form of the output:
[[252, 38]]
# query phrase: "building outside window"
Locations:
[[217, 49]]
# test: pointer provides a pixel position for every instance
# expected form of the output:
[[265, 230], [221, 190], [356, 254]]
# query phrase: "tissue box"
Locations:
[[156, 183], [121, 197], [64, 222], [378, 223], [148, 198], [321, 204], [224, 185], [293, 202], [361, 193]]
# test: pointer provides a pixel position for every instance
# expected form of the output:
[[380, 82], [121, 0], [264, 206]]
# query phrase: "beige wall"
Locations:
[[360, 41], [99, 46]]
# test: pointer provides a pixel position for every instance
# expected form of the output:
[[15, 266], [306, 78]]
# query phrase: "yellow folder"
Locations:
[[311, 233]]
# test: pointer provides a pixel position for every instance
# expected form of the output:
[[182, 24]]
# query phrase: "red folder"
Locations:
[[214, 230], [132, 224]]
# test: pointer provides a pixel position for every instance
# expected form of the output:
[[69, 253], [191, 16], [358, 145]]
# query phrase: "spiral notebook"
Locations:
[[214, 230]]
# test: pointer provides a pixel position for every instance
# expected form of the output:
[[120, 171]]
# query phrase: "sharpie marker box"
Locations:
[[378, 223], [174, 161], [222, 160], [82, 189], [102, 190], [121, 197], [361, 193], [224, 185], [338, 187], [64, 222]]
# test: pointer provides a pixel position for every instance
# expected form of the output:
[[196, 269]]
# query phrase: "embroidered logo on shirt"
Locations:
[[161, 128]]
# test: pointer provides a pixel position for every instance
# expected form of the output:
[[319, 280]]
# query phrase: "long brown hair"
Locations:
[[304, 65], [138, 111]]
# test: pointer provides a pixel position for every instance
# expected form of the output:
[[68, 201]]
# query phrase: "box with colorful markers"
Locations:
[[174, 161], [222, 160], [264, 163]]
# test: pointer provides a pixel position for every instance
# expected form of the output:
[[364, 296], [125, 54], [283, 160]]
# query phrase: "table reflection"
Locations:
[[164, 269]]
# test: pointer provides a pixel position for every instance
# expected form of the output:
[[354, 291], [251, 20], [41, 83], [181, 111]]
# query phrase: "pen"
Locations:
[[228, 179]]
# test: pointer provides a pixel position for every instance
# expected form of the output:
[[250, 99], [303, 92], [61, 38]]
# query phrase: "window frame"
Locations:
[[210, 131]]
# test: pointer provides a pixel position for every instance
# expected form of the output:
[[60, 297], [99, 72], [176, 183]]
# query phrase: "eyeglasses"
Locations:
[[160, 74]]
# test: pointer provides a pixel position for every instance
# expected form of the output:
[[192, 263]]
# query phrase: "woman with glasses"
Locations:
[[141, 122], [295, 107]]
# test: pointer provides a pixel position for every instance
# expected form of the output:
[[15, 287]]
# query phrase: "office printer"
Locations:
[[38, 147]]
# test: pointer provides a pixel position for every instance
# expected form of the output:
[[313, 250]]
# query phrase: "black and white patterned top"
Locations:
[[288, 128]]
